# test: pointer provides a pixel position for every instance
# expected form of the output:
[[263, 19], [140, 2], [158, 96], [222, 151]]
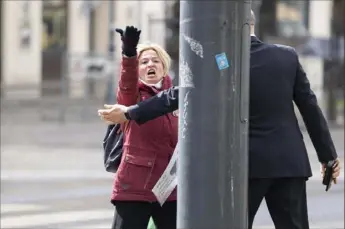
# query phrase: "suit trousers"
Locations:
[[136, 215], [286, 201]]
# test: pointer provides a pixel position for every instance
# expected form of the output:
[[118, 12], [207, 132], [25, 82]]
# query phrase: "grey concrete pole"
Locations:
[[214, 97]]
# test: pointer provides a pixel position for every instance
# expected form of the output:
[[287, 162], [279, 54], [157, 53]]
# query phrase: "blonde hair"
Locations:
[[161, 53]]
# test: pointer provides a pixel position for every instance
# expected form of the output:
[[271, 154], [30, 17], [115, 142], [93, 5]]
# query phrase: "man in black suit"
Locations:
[[278, 161]]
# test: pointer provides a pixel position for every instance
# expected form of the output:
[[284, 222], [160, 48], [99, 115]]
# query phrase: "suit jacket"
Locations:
[[276, 146]]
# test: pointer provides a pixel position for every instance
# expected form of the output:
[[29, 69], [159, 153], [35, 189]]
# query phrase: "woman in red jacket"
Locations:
[[147, 148]]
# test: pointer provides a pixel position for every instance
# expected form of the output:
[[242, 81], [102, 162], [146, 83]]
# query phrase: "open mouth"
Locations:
[[151, 72]]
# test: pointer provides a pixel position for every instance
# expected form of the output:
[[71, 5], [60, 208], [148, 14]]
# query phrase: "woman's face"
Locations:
[[150, 67]]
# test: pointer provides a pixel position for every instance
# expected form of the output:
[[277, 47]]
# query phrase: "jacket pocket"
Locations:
[[136, 174]]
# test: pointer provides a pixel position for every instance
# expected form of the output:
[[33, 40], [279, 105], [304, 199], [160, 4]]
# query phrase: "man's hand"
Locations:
[[336, 170], [113, 114]]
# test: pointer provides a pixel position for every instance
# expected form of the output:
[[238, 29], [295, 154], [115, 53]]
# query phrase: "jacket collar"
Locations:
[[166, 83], [254, 39]]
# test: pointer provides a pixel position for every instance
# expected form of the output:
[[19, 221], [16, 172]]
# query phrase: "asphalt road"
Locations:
[[52, 177]]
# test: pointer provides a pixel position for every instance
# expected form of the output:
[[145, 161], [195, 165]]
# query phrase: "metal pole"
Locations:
[[110, 97], [213, 161], [89, 78]]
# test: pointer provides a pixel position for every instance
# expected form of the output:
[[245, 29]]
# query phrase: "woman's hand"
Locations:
[[130, 38]]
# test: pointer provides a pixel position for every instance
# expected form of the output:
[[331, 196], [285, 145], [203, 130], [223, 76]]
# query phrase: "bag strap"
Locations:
[[125, 125]]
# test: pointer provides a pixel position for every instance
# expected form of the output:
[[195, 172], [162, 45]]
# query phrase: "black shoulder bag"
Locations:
[[112, 145]]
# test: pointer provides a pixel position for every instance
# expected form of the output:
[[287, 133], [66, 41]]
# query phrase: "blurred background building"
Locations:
[[44, 41]]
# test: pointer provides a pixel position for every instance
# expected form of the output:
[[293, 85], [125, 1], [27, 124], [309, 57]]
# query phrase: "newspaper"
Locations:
[[168, 181]]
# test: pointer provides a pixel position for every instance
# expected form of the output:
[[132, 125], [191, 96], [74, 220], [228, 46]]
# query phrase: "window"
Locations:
[[291, 18], [281, 18]]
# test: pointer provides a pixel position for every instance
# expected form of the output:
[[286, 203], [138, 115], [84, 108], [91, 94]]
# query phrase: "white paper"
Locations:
[[168, 181]]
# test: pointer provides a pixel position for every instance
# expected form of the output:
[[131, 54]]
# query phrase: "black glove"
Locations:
[[130, 38]]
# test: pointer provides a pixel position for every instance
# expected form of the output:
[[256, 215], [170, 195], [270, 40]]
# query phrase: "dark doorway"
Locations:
[[54, 44]]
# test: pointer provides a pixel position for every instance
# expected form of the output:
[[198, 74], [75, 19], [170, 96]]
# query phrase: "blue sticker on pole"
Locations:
[[222, 61]]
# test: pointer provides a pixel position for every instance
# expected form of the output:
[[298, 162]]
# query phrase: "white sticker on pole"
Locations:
[[168, 181]]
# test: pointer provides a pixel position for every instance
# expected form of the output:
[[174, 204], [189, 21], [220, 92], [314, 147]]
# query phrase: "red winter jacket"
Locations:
[[147, 148]]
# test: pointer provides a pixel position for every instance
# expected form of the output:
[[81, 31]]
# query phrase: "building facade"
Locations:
[[36, 35]]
